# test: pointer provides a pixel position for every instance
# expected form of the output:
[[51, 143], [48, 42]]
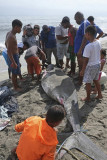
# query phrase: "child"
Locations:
[[33, 63], [39, 139], [103, 61], [91, 63]]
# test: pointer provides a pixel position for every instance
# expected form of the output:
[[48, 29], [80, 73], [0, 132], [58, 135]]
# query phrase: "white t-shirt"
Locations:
[[92, 51], [60, 30]]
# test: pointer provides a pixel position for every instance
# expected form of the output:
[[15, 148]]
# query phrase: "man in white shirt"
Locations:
[[62, 39]]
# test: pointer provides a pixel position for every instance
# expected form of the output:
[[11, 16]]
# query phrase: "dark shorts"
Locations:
[[17, 70], [72, 55]]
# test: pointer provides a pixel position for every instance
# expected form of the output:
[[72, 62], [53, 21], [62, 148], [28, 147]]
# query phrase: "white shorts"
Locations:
[[91, 73], [62, 50]]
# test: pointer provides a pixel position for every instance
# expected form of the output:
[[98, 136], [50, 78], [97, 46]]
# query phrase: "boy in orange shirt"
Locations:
[[32, 57], [39, 139]]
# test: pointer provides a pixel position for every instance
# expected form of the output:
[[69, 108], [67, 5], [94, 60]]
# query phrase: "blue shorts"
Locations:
[[13, 70]]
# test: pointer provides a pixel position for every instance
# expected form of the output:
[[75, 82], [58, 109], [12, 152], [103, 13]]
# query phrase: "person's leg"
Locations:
[[61, 63], [67, 63], [30, 66], [73, 64], [80, 63], [15, 72], [55, 55], [48, 53], [88, 92], [60, 54], [65, 47], [14, 81], [37, 67], [98, 86]]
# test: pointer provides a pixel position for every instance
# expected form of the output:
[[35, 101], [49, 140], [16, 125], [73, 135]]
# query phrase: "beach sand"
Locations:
[[34, 101]]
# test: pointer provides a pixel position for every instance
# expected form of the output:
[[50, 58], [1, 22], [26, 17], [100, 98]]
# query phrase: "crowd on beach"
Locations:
[[39, 139]]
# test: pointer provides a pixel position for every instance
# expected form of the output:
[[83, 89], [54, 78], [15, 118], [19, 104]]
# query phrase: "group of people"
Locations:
[[39, 139]]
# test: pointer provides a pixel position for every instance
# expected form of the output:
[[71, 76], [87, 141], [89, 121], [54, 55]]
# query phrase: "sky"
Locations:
[[52, 7]]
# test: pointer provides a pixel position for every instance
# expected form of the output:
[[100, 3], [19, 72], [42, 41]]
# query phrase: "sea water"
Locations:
[[5, 26]]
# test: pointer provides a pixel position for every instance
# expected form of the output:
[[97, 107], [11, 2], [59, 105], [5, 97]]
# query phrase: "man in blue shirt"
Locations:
[[48, 42], [98, 30], [80, 40]]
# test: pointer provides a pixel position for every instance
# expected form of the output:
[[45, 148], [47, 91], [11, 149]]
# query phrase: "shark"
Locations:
[[60, 87]]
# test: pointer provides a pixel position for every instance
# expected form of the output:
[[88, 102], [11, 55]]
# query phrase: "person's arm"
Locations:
[[85, 61], [84, 41], [100, 32], [100, 35], [42, 55], [102, 65], [9, 51], [51, 154]]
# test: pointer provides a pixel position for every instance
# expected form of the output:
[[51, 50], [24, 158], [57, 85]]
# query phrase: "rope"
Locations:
[[73, 155]]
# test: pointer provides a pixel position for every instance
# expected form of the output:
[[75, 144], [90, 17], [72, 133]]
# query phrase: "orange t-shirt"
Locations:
[[38, 140]]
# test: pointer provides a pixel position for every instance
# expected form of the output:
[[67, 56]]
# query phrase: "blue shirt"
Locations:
[[98, 30], [49, 38], [79, 35]]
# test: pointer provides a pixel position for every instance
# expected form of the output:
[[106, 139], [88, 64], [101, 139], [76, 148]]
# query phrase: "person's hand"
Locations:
[[66, 36], [14, 65], [43, 56], [79, 54]]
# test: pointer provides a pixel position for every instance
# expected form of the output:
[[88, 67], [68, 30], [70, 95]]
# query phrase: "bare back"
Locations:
[[11, 43]]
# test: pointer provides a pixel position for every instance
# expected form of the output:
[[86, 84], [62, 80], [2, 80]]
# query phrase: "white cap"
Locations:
[[20, 45]]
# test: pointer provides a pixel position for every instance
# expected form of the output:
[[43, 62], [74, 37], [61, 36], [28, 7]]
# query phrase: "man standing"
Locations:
[[48, 43], [80, 40], [98, 30], [62, 40], [12, 51]]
